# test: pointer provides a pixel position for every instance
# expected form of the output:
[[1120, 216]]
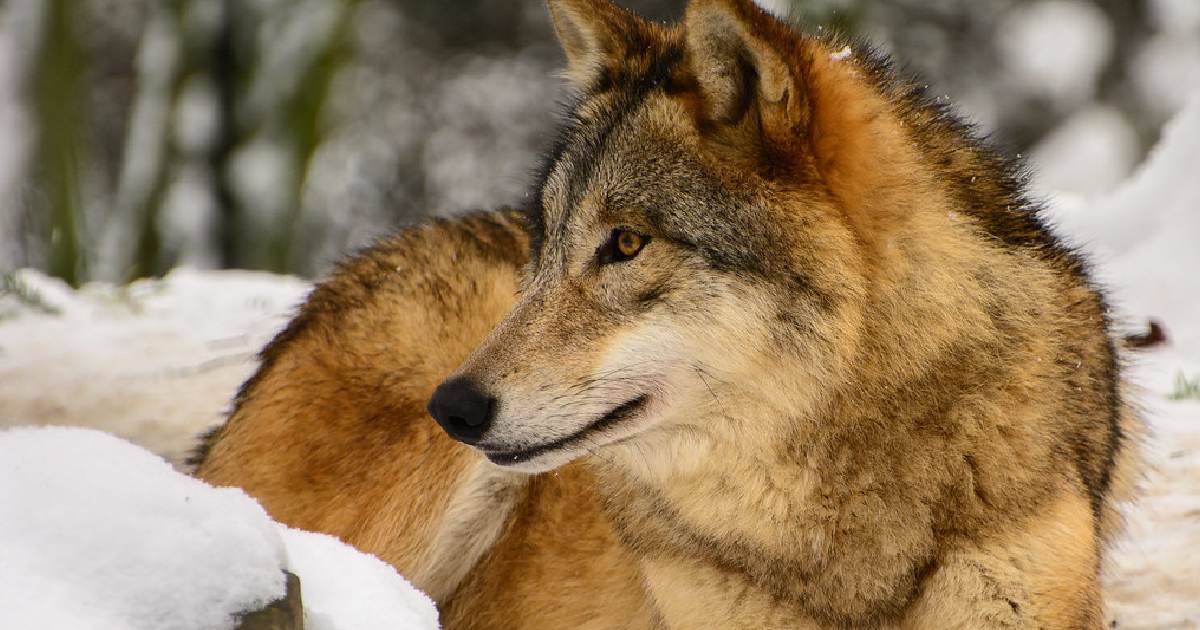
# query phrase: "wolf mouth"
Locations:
[[615, 416]]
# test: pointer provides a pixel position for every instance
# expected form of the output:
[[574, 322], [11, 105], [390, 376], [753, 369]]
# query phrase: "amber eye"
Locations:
[[623, 244], [629, 243]]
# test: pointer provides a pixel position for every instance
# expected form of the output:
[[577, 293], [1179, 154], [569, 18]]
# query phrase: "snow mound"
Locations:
[[377, 597], [98, 533], [155, 362]]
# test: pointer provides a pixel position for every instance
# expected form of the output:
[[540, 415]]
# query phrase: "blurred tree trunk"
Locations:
[[303, 129], [61, 126], [273, 98], [228, 65], [148, 155]]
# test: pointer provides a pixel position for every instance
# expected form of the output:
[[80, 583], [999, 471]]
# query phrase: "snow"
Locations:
[[260, 173], [479, 99], [377, 597], [156, 362], [1181, 16], [1165, 71], [1146, 235], [1056, 47], [190, 209], [842, 54], [1089, 154], [197, 117], [109, 536], [103, 534]]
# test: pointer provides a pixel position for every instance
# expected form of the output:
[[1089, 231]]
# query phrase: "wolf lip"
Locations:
[[614, 416]]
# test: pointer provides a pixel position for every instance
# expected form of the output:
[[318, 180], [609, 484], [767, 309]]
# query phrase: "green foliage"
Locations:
[[57, 95], [1185, 388]]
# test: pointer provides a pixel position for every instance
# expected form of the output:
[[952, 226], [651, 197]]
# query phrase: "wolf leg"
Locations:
[[1042, 574]]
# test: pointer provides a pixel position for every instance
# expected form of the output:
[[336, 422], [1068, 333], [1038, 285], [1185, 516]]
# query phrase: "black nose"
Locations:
[[462, 408]]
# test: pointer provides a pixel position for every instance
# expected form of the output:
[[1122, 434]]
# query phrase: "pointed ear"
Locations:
[[732, 54], [594, 34]]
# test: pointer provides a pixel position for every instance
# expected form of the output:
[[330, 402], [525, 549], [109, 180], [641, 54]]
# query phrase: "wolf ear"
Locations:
[[734, 61], [594, 35]]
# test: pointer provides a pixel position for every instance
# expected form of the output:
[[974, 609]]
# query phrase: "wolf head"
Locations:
[[706, 234]]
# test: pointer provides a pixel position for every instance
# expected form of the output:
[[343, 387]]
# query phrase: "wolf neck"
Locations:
[[804, 518], [711, 483], [724, 511]]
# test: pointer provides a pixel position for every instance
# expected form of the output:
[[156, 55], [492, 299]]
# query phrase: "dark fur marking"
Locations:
[[534, 212], [585, 144], [1115, 434], [646, 523], [651, 297], [203, 446]]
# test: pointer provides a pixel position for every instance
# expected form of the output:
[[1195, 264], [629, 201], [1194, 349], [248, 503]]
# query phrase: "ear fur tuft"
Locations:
[[733, 61], [594, 35]]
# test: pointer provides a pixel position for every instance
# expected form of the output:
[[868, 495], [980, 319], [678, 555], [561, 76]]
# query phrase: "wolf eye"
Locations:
[[623, 244]]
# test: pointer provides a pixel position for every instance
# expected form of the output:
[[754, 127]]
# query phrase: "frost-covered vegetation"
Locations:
[[139, 135], [1185, 387]]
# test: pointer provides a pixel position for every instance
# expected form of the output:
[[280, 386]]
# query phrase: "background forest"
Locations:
[[140, 135]]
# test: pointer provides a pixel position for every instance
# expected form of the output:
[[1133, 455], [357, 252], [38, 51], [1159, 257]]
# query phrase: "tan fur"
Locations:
[[330, 435], [1042, 574], [471, 523], [861, 387]]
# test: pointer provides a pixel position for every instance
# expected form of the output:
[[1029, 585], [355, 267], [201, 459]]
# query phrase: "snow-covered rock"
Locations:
[[99, 534], [348, 590]]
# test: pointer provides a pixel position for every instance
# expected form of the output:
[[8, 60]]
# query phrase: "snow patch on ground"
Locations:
[[156, 362], [1145, 236]]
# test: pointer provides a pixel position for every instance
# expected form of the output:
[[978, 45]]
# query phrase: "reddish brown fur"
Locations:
[[331, 435], [916, 418]]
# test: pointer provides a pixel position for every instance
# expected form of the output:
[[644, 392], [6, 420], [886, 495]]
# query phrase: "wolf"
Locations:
[[778, 343]]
